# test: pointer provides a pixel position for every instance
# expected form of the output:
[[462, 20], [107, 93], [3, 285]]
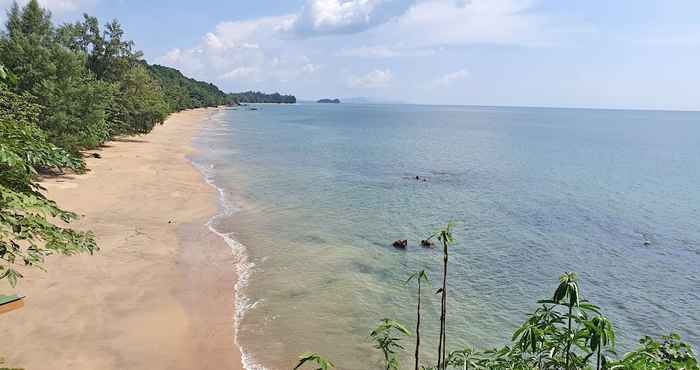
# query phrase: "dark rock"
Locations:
[[401, 244], [96, 155], [426, 244]]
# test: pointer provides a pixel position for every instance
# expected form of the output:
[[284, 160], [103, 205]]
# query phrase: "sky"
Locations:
[[601, 54]]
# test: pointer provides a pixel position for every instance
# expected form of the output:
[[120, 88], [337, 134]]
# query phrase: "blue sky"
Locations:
[[611, 54]]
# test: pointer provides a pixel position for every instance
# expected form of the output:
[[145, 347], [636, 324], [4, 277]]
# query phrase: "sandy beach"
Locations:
[[159, 294]]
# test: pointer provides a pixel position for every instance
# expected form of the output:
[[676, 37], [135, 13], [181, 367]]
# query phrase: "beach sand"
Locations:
[[159, 294]]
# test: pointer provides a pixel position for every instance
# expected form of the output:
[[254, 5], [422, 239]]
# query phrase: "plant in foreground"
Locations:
[[386, 339], [420, 277], [446, 239], [669, 354], [312, 357]]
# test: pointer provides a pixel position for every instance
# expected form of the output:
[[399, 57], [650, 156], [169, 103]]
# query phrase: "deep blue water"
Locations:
[[321, 191]]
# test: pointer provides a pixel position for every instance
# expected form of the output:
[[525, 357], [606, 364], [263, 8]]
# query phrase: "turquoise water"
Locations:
[[313, 196]]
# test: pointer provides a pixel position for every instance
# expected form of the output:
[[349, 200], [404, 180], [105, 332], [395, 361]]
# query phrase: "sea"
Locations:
[[312, 196]]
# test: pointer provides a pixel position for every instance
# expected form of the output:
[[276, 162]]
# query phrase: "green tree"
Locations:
[[138, 104], [27, 233], [75, 102], [108, 55]]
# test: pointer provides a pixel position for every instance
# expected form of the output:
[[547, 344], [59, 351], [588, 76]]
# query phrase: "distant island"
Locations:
[[259, 97], [329, 101]]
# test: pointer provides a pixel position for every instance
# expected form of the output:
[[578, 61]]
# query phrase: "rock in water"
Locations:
[[401, 244], [426, 244]]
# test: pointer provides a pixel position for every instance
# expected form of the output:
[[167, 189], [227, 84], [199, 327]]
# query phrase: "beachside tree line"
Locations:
[[64, 89], [565, 332]]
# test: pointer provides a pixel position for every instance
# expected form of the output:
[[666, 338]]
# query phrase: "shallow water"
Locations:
[[313, 195]]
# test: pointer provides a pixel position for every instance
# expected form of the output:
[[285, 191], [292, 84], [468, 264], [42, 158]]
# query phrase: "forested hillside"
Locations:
[[64, 89], [181, 92], [258, 97]]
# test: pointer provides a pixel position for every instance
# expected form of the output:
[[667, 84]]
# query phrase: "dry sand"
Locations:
[[159, 295]]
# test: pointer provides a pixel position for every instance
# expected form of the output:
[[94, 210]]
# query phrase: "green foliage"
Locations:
[[108, 55], [386, 339], [186, 93], [670, 353], [138, 104], [75, 102], [311, 357], [90, 80], [258, 97], [27, 234]]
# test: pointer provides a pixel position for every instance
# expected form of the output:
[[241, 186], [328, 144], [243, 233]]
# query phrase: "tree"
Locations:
[[185, 93], [138, 104], [420, 277], [75, 102], [27, 233]]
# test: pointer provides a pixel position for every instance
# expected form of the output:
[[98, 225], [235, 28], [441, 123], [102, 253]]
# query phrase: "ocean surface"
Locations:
[[313, 195]]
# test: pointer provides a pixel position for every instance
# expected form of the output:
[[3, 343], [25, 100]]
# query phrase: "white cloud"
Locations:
[[445, 22], [245, 73], [375, 79], [370, 52], [319, 17], [449, 79], [384, 52], [279, 49], [310, 68], [251, 50]]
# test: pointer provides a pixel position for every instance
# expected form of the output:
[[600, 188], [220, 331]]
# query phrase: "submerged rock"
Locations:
[[426, 244], [401, 244]]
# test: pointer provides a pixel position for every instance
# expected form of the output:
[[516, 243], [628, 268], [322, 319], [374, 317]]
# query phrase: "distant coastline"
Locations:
[[329, 101]]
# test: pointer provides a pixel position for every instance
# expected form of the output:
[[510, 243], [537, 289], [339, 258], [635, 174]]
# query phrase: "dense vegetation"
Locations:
[[258, 97], [184, 93], [64, 89], [565, 332]]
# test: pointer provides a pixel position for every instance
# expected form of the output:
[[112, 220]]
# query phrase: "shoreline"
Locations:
[[160, 292]]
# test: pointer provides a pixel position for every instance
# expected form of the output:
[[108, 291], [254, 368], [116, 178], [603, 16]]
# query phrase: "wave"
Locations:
[[243, 266]]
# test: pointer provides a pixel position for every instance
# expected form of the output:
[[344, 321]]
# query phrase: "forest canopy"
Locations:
[[258, 97]]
